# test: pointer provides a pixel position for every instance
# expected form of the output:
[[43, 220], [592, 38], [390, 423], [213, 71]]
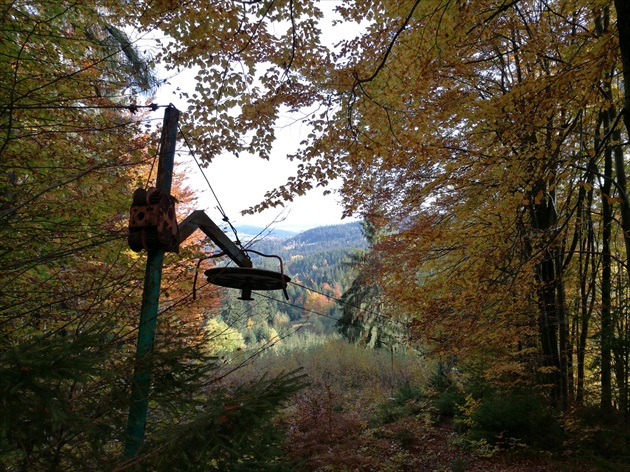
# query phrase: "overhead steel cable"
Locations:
[[219, 206], [293, 305], [132, 107], [343, 302]]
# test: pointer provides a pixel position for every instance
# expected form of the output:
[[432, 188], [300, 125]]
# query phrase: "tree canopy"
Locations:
[[487, 138]]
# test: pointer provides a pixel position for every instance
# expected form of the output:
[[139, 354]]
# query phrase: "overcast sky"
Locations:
[[242, 182]]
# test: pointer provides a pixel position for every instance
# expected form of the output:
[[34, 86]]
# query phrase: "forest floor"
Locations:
[[343, 441], [361, 413]]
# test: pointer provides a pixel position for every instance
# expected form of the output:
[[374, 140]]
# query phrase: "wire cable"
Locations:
[[345, 303], [284, 302], [155, 159], [132, 108], [219, 206]]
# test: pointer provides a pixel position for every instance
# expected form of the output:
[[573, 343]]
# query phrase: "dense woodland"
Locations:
[[482, 325]]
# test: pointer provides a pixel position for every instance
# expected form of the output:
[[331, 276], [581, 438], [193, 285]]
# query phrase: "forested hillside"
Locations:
[[318, 261], [341, 236]]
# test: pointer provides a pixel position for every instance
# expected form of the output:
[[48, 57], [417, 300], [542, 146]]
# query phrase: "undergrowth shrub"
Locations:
[[447, 403], [408, 401], [328, 424], [323, 434], [510, 419], [446, 391], [343, 366], [591, 433]]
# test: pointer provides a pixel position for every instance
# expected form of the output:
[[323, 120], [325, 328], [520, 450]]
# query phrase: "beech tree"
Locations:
[[486, 136]]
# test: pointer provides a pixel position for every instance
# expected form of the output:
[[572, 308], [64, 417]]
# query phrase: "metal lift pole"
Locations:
[[245, 278], [150, 298]]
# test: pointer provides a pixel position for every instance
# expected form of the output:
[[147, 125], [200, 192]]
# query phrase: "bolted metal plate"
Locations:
[[143, 216], [246, 278]]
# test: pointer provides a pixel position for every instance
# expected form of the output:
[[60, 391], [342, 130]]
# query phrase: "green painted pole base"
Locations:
[[141, 383]]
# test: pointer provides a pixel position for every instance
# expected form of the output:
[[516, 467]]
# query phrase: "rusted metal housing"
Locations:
[[152, 221]]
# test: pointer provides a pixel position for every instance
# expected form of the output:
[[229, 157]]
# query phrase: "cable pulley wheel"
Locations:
[[247, 279]]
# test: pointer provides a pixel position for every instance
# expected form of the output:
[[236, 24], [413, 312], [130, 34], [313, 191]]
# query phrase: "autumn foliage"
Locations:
[[486, 143], [486, 140]]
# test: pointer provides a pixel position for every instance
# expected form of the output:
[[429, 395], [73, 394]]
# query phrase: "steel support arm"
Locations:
[[199, 220]]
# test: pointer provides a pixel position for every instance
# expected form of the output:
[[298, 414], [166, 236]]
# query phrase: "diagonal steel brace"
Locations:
[[199, 220]]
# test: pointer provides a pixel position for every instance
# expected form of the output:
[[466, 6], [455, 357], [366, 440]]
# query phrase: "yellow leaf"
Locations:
[[588, 187]]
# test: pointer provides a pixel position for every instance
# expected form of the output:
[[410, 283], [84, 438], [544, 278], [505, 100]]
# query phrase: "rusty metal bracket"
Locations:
[[199, 220], [152, 221], [144, 216]]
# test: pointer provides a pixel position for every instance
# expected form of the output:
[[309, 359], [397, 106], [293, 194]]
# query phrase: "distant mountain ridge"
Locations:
[[346, 236], [248, 230], [349, 235]]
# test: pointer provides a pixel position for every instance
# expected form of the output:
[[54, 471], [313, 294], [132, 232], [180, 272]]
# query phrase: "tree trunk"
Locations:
[[563, 338], [619, 348], [549, 278], [606, 321], [588, 276], [622, 7]]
